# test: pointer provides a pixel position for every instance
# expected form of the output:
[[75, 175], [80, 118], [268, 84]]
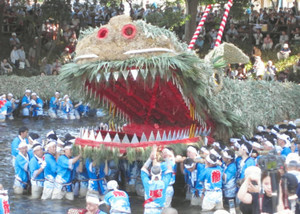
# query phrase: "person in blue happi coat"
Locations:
[[22, 174], [26, 103], [64, 177], [116, 200]]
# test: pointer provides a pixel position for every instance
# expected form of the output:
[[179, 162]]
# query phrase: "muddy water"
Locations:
[[25, 205]]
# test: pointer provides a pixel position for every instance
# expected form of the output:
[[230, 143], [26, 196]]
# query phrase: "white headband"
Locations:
[[93, 200], [204, 150], [167, 151], [268, 143], [68, 147], [192, 149], [257, 145], [226, 155], [10, 95], [51, 143], [33, 94], [37, 147], [189, 166], [209, 160], [56, 93], [23, 144], [214, 152]]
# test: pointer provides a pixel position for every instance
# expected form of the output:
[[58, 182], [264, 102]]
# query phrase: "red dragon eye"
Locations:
[[102, 33], [129, 31]]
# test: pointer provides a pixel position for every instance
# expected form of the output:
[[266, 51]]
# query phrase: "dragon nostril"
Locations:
[[102, 33], [129, 31]]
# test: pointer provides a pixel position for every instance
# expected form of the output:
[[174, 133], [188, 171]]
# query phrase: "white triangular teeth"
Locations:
[[107, 76], [178, 135], [125, 74], [200, 131], [125, 139], [181, 135], [186, 133], [164, 137], [134, 139], [116, 75], [107, 138], [85, 134], [98, 77], [197, 131], [134, 73], [144, 73], [169, 74], [92, 135], [153, 72], [99, 137], [117, 139], [151, 138], [144, 138], [170, 136], [208, 132], [158, 137], [174, 135]]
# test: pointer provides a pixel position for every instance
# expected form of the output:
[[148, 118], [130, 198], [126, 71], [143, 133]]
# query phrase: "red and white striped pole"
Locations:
[[199, 27], [223, 23]]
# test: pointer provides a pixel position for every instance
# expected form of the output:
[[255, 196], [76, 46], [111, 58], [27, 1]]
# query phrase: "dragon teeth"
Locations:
[[134, 139], [117, 139], [107, 138], [158, 137], [144, 138], [116, 75], [134, 73], [125, 74], [125, 139], [99, 137]]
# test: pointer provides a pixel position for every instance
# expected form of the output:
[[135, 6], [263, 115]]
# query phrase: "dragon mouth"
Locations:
[[145, 108]]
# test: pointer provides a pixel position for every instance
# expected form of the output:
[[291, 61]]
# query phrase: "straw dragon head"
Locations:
[[147, 80]]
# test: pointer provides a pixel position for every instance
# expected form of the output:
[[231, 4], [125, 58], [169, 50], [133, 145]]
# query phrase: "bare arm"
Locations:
[[243, 194]]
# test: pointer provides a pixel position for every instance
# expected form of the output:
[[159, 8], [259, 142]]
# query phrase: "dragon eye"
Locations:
[[129, 31], [102, 33]]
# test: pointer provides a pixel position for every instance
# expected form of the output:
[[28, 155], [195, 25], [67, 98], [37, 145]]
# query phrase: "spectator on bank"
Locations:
[[32, 54], [296, 66], [14, 56], [200, 42], [46, 67], [259, 68], [284, 53], [268, 43], [22, 58], [284, 38], [270, 71], [232, 34], [296, 34], [14, 41], [56, 66], [5, 67], [258, 37]]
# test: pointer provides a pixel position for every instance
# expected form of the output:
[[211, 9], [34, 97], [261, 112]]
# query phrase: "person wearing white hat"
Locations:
[[212, 179], [67, 108], [50, 169], [22, 179], [36, 105], [22, 137], [14, 41], [92, 205], [36, 167], [270, 71], [54, 105], [259, 68], [192, 171], [245, 162], [12, 105], [284, 53], [117, 201], [284, 142], [64, 177], [229, 178], [26, 103]]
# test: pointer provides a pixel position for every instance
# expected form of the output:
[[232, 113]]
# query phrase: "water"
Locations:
[[25, 205]]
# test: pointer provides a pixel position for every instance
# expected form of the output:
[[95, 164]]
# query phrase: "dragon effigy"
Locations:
[[157, 91]]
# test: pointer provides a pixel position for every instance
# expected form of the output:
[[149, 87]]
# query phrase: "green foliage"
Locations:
[[167, 17]]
